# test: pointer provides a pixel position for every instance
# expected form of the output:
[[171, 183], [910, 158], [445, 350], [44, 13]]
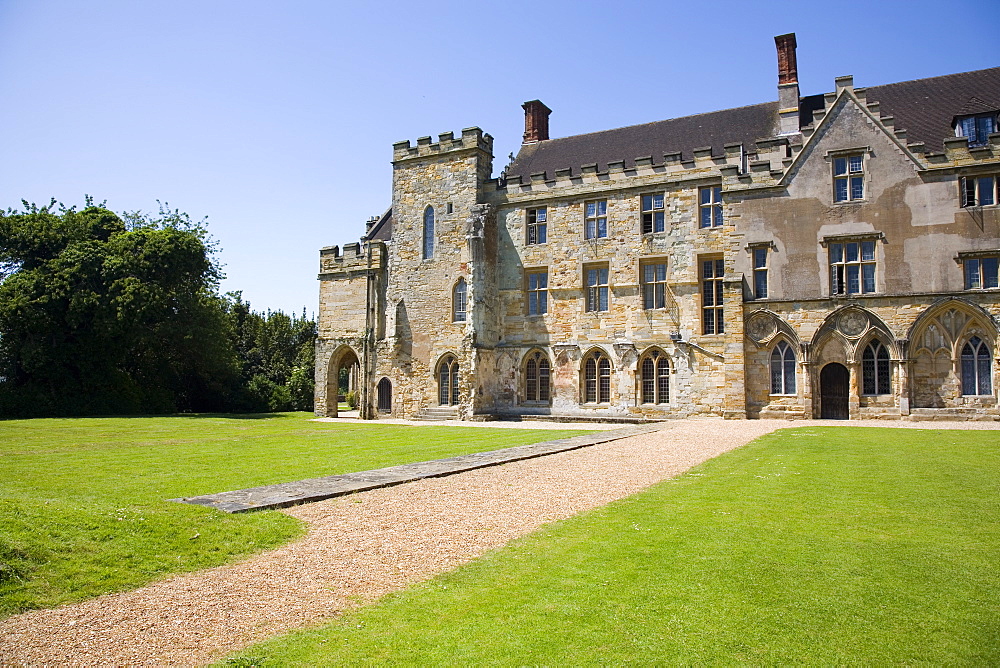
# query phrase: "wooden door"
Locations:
[[834, 381]]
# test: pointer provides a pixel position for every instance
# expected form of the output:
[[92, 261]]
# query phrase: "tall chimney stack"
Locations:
[[536, 121], [788, 85]]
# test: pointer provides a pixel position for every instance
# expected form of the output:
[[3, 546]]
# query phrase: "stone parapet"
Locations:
[[471, 138]]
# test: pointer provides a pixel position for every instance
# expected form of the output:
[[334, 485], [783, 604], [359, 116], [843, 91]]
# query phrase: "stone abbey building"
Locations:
[[831, 255]]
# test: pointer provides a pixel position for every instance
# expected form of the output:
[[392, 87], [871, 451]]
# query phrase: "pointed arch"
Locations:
[[447, 376], [977, 368], [384, 392], [855, 327], [783, 367], [943, 370], [654, 376], [948, 323], [537, 374], [876, 373], [597, 377]]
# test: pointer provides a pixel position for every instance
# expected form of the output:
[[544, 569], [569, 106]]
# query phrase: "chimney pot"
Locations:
[[788, 71], [536, 121]]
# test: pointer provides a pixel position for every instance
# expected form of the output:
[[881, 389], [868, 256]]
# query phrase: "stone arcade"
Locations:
[[832, 255]]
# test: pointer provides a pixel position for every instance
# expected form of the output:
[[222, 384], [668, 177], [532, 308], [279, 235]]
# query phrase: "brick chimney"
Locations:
[[536, 121], [788, 85]]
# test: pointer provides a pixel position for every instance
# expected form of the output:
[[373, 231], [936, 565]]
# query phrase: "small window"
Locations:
[[449, 208], [654, 284], [538, 292], [710, 207], [981, 272], [652, 214], [537, 226], [597, 379], [848, 178], [759, 254], [712, 319], [977, 368], [595, 223], [596, 280], [979, 190], [654, 371], [428, 233], [875, 374], [537, 374], [459, 301], [976, 129], [852, 267], [783, 369]]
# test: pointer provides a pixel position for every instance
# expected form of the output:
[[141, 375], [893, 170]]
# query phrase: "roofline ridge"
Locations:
[[939, 76], [662, 120]]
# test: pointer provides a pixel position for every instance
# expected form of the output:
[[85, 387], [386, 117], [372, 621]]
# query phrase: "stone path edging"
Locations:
[[287, 494]]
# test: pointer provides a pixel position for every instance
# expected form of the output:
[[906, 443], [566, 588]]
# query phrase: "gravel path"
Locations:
[[363, 546]]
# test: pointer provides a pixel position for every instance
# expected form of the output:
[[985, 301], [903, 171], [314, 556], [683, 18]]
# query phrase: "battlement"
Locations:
[[472, 138], [354, 258]]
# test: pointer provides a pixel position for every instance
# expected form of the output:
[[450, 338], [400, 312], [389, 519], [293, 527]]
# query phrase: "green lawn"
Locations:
[[811, 545], [82, 501]]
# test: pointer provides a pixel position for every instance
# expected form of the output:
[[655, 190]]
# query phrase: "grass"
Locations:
[[82, 501], [812, 545]]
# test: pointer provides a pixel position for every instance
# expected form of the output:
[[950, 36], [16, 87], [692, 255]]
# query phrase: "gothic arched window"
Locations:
[[875, 375], [782, 369], [428, 232], [654, 373], [448, 381], [597, 378], [537, 376], [977, 371]]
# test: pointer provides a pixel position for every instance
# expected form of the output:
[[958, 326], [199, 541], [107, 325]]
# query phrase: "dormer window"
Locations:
[[976, 129]]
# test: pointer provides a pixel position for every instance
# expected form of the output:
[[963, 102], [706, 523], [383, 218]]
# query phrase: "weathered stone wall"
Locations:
[[915, 216], [626, 331], [779, 197], [420, 329]]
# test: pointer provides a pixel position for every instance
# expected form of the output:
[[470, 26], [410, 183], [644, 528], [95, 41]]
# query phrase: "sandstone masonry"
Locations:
[[803, 258]]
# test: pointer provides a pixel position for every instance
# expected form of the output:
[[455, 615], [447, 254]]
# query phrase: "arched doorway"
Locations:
[[343, 381], [834, 384], [384, 391]]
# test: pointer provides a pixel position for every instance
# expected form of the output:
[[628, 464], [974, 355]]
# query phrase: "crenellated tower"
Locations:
[[440, 289]]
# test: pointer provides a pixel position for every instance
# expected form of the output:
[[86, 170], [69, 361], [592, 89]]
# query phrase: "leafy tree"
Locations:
[[277, 354], [101, 313]]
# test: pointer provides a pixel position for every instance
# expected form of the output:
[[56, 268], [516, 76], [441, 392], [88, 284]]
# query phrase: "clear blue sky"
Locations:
[[276, 119]]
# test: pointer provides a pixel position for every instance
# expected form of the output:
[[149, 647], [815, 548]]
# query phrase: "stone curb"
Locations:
[[287, 494]]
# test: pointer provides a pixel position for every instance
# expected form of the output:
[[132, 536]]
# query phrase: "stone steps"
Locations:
[[944, 414], [438, 413]]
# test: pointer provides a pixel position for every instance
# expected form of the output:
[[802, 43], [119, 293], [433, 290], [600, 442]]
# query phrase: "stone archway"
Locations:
[[344, 362]]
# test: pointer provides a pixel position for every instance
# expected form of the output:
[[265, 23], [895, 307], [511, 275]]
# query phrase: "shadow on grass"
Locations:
[[228, 416]]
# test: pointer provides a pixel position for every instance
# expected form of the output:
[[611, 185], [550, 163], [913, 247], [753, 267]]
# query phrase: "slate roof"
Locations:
[[926, 108], [382, 229]]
